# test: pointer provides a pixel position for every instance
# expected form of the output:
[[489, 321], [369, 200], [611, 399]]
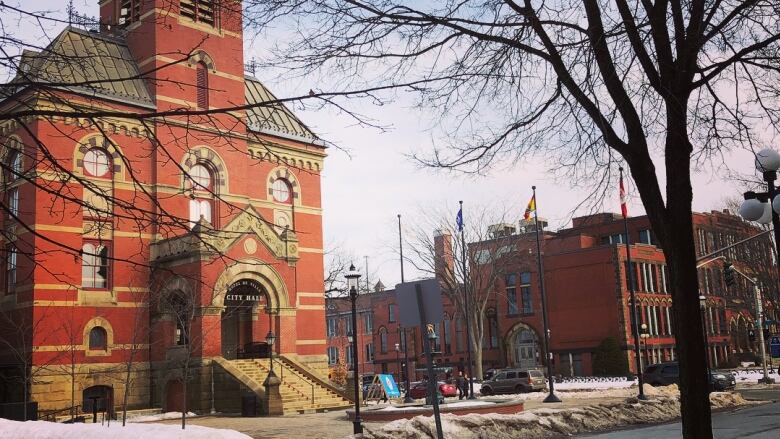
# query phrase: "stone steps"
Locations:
[[295, 389]]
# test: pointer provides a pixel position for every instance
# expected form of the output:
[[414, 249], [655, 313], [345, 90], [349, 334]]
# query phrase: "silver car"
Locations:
[[514, 381]]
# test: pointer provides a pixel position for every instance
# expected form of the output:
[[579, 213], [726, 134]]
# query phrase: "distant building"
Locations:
[[588, 296]]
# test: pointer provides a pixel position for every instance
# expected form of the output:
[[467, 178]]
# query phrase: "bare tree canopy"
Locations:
[[660, 85]]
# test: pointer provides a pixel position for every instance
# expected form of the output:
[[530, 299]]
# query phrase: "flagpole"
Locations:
[[466, 310], [407, 398], [632, 293], [551, 397]]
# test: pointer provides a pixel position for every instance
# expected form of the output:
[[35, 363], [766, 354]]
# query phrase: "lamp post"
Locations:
[[353, 277], [703, 308], [644, 336], [270, 338], [398, 360], [763, 207]]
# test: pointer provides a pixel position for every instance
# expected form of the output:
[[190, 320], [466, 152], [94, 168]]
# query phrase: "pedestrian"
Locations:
[[461, 382], [465, 385]]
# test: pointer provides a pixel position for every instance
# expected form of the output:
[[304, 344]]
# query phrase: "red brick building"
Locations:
[[178, 242], [588, 295]]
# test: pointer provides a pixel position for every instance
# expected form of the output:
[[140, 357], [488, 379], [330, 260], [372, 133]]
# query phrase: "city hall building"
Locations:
[[151, 257]]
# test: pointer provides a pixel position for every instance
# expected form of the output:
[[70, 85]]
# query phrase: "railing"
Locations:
[[51, 415], [296, 373]]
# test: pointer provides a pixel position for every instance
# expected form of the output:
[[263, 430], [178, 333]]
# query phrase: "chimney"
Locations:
[[443, 257]]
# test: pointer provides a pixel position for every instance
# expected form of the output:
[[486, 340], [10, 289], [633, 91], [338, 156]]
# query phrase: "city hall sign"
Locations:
[[246, 292]]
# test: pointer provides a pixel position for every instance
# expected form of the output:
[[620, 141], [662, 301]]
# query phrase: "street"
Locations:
[[756, 422]]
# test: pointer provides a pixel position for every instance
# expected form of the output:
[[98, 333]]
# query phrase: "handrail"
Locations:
[[297, 373], [51, 415]]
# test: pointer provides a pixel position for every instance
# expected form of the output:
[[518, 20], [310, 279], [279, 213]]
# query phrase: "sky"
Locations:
[[370, 179]]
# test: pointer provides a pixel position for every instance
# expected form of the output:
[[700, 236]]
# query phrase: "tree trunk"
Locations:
[[476, 343]]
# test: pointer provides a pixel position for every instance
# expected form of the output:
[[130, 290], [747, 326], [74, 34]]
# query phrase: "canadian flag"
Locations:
[[623, 207]]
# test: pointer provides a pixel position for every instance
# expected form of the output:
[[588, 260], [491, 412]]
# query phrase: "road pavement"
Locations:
[[757, 422]]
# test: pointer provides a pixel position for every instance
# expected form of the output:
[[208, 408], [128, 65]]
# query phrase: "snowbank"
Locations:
[[751, 376], [51, 430], [549, 422]]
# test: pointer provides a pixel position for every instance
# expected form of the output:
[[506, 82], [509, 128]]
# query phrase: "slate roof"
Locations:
[[101, 66], [86, 63], [274, 118]]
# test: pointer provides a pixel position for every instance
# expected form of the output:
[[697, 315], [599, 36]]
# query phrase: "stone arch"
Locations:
[[98, 141], [202, 57], [93, 323], [284, 173], [523, 346], [173, 285], [254, 269], [203, 155]]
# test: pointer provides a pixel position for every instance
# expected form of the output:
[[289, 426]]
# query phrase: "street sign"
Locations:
[[406, 297], [774, 347]]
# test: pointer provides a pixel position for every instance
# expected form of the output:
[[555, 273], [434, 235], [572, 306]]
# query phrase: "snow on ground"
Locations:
[[154, 418], [551, 422], [52, 430], [751, 376], [595, 383]]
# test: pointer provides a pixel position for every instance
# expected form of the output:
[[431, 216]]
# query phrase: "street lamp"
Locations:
[[353, 277], [270, 338], [644, 336], [398, 359], [764, 207], [703, 308]]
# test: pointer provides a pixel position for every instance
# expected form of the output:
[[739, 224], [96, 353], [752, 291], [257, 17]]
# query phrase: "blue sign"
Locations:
[[774, 347], [391, 388]]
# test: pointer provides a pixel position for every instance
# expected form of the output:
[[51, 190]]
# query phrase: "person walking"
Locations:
[[462, 385]]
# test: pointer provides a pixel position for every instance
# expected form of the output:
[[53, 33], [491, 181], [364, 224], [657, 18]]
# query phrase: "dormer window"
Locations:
[[201, 11]]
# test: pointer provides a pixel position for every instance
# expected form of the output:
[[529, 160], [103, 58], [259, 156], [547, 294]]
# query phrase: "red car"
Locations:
[[420, 389]]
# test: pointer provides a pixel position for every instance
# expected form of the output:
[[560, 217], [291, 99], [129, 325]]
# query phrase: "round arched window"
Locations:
[[281, 191], [200, 177], [96, 162], [98, 339]]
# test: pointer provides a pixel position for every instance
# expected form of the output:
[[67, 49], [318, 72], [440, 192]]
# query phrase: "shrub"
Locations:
[[609, 359]]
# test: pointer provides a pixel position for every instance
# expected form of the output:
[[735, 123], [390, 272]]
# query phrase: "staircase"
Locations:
[[300, 393]]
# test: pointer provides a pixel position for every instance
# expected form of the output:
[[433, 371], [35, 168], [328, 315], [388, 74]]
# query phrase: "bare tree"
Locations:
[[659, 85], [436, 249]]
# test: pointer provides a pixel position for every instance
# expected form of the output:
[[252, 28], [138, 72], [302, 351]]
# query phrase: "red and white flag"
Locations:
[[623, 207]]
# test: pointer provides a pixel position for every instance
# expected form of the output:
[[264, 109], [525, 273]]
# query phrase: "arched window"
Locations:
[[97, 162], [445, 334], [201, 181], [98, 339], [281, 191], [492, 321], [202, 84], [94, 265], [182, 311], [12, 193]]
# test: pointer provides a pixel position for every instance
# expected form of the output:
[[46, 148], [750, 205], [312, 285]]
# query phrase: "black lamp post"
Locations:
[[645, 334], [398, 360], [270, 338], [703, 308], [353, 277]]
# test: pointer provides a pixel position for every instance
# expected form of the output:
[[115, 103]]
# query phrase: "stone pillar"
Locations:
[[272, 404]]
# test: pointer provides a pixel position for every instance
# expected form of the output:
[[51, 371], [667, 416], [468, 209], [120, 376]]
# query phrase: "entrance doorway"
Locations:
[[101, 397], [243, 302], [526, 349], [174, 392]]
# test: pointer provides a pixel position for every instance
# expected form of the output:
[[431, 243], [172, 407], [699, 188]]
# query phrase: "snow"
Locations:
[[51, 430], [751, 376], [392, 408], [551, 422], [595, 383], [159, 417]]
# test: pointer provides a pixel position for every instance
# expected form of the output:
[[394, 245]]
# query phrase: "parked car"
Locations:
[[514, 381], [419, 389], [664, 374]]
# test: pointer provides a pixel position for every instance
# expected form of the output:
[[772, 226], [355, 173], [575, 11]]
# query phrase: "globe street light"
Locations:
[[270, 338], [353, 277], [645, 334], [763, 207]]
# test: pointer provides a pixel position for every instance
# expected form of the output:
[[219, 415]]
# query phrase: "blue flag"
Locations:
[[459, 219]]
